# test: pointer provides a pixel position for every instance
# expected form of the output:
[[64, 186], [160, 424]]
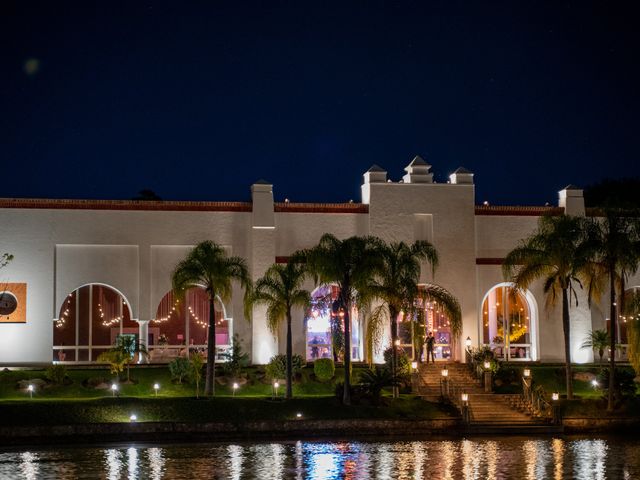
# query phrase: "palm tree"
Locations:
[[396, 284], [208, 266], [632, 313], [129, 345], [349, 264], [597, 340], [557, 254], [279, 289], [614, 241]]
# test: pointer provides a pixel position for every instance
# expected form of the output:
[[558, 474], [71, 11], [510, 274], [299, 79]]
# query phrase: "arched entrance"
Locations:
[[509, 323], [91, 319], [181, 326], [430, 315]]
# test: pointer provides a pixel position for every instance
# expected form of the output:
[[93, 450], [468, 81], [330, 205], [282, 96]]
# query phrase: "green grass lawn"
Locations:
[[76, 403], [146, 377], [218, 409]]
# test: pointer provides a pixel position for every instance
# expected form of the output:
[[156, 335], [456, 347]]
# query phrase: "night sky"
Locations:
[[197, 100]]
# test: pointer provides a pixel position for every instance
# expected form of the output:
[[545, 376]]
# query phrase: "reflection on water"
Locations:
[[476, 458]]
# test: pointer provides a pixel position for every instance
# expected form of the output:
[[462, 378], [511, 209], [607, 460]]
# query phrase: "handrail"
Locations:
[[535, 398], [453, 392]]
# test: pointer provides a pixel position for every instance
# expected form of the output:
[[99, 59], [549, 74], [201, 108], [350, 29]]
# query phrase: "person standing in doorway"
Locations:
[[430, 344]]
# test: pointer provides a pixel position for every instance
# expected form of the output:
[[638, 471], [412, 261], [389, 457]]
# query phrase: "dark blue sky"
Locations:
[[198, 101]]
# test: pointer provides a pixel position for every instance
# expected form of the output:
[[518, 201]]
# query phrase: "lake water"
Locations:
[[475, 458]]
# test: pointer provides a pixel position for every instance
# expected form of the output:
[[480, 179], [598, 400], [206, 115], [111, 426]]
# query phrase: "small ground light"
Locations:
[[133, 417], [594, 382], [298, 415], [30, 388], [555, 396], [114, 389], [156, 387], [235, 387]]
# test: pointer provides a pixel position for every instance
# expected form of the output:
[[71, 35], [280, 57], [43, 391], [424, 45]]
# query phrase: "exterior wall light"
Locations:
[[555, 396]]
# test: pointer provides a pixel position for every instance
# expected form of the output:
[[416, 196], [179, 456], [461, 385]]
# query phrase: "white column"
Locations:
[[143, 335], [493, 315]]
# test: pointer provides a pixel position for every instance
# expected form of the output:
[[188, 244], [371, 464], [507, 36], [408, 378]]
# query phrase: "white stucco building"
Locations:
[[86, 271]]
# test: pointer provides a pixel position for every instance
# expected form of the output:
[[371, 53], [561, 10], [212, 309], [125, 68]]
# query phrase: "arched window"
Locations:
[[91, 319], [182, 325], [509, 323], [325, 327]]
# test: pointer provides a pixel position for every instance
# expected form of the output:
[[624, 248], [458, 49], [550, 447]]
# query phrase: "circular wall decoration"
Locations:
[[8, 303]]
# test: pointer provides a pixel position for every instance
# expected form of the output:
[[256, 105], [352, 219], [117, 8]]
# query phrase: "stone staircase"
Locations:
[[489, 412]]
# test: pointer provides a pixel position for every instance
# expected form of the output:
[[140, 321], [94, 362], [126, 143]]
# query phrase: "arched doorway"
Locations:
[[181, 326], [430, 315], [324, 325], [509, 323], [91, 319]]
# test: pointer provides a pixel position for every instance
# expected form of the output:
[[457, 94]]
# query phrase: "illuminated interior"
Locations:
[[177, 320], [90, 320], [507, 321], [322, 316]]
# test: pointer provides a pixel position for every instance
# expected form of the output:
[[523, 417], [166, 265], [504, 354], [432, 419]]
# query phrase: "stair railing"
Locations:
[[535, 398]]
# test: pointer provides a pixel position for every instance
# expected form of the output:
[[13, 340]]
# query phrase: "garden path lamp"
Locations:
[[133, 418], [235, 387], [275, 389], [488, 383], [30, 388], [156, 387], [444, 385], [555, 396], [526, 373], [467, 342], [465, 407], [114, 389]]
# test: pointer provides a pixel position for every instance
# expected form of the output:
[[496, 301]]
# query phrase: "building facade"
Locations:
[[87, 271]]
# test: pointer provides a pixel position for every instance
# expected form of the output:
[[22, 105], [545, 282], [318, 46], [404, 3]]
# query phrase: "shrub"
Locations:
[[179, 368], [623, 381], [236, 359], [404, 363], [374, 380], [277, 366], [56, 374], [196, 362], [324, 369]]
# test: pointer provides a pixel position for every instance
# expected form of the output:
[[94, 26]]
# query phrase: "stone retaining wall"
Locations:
[[173, 431]]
